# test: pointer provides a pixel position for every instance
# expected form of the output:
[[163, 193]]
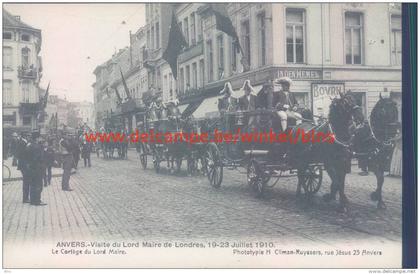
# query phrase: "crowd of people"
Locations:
[[35, 156]]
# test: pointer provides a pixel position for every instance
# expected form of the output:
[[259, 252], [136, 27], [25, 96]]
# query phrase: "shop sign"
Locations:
[[322, 95]]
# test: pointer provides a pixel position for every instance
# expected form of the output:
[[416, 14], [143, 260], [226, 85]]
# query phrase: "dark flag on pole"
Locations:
[[224, 24], [176, 43], [45, 99], [118, 96], [125, 85]]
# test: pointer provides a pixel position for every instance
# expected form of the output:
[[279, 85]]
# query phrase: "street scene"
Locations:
[[248, 129]]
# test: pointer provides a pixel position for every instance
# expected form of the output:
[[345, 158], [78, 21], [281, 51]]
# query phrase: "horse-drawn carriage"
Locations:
[[158, 121], [263, 159]]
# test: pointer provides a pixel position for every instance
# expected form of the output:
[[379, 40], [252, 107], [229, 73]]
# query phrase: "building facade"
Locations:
[[85, 112], [22, 71], [323, 47]]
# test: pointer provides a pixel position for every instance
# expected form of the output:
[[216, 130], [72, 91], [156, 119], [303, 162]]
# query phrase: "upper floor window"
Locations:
[[152, 38], [221, 56], [186, 30], [157, 36], [233, 56], [26, 92], [246, 40], [188, 77], [262, 42], [396, 40], [194, 75], [7, 92], [26, 58], [353, 37], [26, 37], [209, 61], [295, 35], [7, 58], [192, 24], [181, 80], [7, 35]]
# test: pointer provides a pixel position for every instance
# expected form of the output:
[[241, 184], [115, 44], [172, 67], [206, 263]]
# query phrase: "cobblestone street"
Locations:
[[117, 199]]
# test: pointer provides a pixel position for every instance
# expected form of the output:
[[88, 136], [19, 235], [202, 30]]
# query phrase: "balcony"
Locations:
[[191, 52], [27, 72], [131, 105], [151, 57]]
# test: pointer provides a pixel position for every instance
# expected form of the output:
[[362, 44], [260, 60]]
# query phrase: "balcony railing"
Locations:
[[27, 72], [191, 52]]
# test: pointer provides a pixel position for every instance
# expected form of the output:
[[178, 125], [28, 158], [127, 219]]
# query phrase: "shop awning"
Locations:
[[182, 107], [191, 108], [208, 108]]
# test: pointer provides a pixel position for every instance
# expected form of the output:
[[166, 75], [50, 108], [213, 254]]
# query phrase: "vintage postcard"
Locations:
[[204, 135]]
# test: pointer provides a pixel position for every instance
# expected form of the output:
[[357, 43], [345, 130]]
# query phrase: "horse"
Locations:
[[344, 116], [375, 141]]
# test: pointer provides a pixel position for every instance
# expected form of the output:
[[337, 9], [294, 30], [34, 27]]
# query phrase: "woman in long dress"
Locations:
[[396, 161]]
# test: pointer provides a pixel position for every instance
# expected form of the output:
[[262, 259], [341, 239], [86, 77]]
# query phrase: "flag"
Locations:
[[224, 24], [176, 42], [118, 96], [45, 99], [125, 85]]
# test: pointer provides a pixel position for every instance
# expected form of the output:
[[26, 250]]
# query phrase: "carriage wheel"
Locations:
[[143, 160], [254, 178], [311, 179], [214, 166]]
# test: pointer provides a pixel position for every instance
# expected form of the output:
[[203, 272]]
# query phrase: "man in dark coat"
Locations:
[[36, 168], [21, 155], [68, 163], [48, 162], [86, 150]]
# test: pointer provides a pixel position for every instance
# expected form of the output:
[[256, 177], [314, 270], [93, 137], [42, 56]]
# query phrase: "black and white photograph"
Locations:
[[202, 135]]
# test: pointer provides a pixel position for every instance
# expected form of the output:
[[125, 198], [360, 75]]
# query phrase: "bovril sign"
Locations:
[[322, 94]]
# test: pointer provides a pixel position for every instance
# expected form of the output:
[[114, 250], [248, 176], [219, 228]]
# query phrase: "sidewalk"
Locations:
[[16, 175]]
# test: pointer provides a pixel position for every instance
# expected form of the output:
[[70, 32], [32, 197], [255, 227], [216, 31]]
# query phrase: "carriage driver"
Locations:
[[287, 104]]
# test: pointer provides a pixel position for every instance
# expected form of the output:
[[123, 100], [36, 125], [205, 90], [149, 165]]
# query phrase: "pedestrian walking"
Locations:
[[48, 162], [86, 150], [35, 155], [75, 150], [68, 163]]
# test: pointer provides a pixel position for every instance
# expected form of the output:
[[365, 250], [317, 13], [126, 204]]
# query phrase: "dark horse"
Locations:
[[375, 142], [344, 116]]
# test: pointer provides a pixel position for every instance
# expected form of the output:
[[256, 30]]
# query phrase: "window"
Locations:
[[165, 82], [353, 38], [209, 61], [192, 23], [295, 33], [200, 30], [27, 121], [186, 32], [170, 82], [202, 75], [7, 92], [26, 92], [7, 35], [233, 56], [261, 34], [194, 75], [396, 40], [246, 41], [26, 57], [7, 58], [157, 36], [26, 37], [148, 39], [181, 80], [221, 57], [152, 38], [188, 77]]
